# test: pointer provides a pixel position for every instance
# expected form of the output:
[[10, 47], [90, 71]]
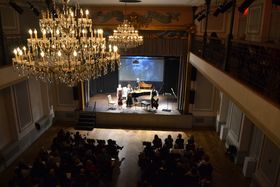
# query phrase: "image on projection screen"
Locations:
[[144, 68]]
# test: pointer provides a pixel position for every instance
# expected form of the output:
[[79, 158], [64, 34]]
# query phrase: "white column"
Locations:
[[223, 111], [244, 139]]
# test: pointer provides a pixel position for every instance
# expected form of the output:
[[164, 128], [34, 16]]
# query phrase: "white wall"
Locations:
[[22, 105], [63, 102], [206, 102], [234, 124], [256, 143], [36, 99], [267, 174]]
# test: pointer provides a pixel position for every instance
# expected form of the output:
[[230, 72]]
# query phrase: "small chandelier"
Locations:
[[126, 36], [69, 51]]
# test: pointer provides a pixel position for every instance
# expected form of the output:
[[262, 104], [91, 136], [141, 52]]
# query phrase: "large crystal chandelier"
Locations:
[[126, 36], [69, 51]]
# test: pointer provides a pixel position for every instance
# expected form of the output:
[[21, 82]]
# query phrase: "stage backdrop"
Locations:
[[162, 72], [141, 68]]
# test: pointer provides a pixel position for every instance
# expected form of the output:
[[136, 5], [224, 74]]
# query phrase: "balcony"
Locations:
[[255, 65]]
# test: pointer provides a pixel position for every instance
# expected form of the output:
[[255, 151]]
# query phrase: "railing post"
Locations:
[[187, 77], [208, 2], [229, 38]]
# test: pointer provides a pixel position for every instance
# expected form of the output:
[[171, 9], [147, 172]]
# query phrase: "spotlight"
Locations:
[[226, 6], [35, 10], [245, 5], [199, 14], [201, 17], [218, 11], [16, 7], [223, 7]]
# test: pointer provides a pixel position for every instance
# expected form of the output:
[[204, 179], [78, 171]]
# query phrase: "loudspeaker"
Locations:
[[276, 2], [245, 5], [193, 74], [37, 126], [191, 97]]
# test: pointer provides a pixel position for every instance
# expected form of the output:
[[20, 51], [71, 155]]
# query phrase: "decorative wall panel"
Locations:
[[254, 19], [269, 163], [215, 24], [65, 95], [22, 104], [10, 20], [235, 123], [274, 30], [204, 94], [36, 99]]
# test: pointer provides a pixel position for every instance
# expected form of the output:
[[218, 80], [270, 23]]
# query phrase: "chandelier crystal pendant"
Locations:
[[126, 36], [69, 51]]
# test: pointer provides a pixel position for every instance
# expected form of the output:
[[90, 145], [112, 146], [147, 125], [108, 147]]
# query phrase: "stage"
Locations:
[[119, 116], [167, 105]]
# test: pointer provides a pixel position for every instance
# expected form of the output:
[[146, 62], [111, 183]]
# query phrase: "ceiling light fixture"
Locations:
[[69, 51], [126, 36]]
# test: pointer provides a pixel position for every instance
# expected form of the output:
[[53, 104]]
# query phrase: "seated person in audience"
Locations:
[[148, 150], [77, 138], [179, 142], [169, 141], [205, 169], [192, 178], [157, 143], [190, 145], [154, 99], [113, 148]]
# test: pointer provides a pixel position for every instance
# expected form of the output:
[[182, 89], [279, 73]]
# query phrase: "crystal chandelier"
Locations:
[[69, 51], [126, 36]]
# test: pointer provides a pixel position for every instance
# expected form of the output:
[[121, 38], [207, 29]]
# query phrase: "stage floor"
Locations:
[[167, 105]]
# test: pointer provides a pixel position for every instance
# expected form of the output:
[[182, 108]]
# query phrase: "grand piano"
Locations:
[[140, 92], [143, 85]]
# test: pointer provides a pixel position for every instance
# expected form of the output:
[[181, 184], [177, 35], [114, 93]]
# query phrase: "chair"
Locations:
[[111, 103]]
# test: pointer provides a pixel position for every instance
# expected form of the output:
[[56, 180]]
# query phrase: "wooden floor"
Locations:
[[225, 172]]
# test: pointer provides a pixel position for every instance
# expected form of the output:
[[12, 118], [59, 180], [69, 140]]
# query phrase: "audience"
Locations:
[[190, 145], [74, 160], [162, 167], [157, 143], [168, 142], [179, 142]]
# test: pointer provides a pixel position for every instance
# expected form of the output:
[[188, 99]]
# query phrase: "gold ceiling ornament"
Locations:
[[69, 51]]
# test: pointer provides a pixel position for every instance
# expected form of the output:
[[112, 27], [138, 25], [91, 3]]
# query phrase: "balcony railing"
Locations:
[[256, 65], [214, 50]]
